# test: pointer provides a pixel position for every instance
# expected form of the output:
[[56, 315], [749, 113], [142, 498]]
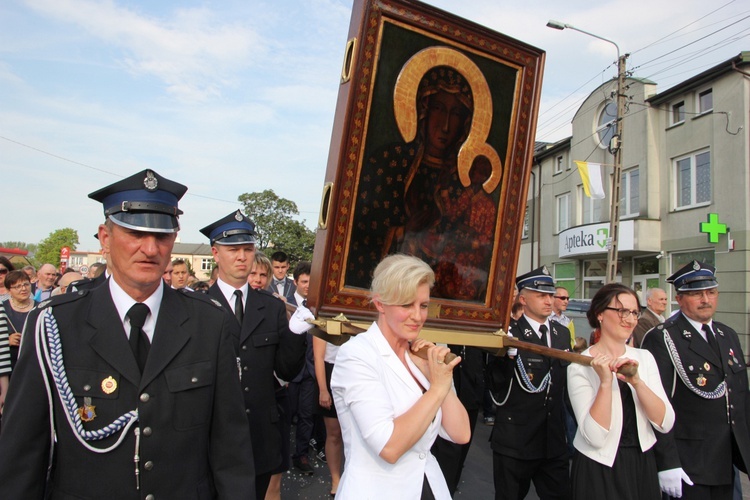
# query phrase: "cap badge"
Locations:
[[696, 266], [238, 216], [150, 182], [545, 270]]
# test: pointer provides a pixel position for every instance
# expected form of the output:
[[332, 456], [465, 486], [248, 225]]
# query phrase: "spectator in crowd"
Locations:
[[391, 403], [617, 413], [302, 386], [180, 274], [656, 306], [46, 277], [214, 275], [5, 267], [31, 273], [15, 309], [260, 272], [559, 305], [96, 269], [167, 275], [324, 354], [65, 281], [281, 284]]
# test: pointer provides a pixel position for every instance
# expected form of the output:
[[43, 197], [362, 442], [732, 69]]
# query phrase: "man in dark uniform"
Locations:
[[528, 439], [138, 396], [703, 370], [264, 342]]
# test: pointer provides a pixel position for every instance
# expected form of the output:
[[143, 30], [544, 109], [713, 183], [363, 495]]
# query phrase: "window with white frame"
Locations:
[[525, 230], [591, 209], [705, 101], [563, 211], [607, 124], [559, 164], [207, 264], [629, 193], [693, 180], [76, 261], [678, 113]]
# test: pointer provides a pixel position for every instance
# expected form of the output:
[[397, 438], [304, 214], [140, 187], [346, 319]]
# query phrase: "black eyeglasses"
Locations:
[[625, 313], [561, 297], [3, 271]]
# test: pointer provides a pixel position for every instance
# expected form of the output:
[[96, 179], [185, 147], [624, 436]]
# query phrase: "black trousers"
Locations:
[[513, 477]]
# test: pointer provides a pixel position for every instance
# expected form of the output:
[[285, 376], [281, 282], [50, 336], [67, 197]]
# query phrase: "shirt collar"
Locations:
[[228, 291], [123, 303]]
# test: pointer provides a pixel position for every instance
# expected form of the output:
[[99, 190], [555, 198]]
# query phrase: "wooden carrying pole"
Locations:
[[339, 329]]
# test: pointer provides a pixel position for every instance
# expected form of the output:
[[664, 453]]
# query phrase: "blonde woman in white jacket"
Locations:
[[616, 414]]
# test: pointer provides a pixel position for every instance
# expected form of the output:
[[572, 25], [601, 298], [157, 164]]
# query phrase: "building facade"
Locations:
[[684, 189]]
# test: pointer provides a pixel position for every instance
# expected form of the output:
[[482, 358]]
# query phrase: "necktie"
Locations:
[[304, 303], [711, 339], [138, 340], [543, 331], [238, 306]]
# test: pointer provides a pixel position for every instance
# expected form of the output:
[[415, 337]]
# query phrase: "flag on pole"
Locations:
[[591, 175]]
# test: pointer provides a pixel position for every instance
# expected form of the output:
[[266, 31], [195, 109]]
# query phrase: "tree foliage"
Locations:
[[48, 250], [276, 225], [19, 244]]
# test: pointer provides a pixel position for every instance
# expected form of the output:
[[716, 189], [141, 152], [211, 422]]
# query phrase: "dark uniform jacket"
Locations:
[[530, 426], [264, 345], [194, 440], [701, 440]]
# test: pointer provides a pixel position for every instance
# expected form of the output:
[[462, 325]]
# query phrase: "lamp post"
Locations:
[[615, 147]]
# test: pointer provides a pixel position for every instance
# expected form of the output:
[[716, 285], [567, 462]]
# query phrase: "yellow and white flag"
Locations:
[[591, 175]]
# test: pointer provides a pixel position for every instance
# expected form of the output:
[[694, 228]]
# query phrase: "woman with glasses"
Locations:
[[616, 414], [15, 309]]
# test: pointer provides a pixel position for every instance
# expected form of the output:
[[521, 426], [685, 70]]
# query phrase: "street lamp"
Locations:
[[615, 147]]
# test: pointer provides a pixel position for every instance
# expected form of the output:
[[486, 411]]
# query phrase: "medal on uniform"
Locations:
[[531, 376], [109, 385], [690, 367], [701, 380], [686, 334], [527, 333], [706, 366], [87, 412]]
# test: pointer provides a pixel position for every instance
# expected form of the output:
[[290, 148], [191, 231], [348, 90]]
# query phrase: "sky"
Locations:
[[238, 96]]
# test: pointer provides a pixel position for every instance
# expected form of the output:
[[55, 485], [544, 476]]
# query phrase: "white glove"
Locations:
[[671, 480], [512, 351], [298, 322]]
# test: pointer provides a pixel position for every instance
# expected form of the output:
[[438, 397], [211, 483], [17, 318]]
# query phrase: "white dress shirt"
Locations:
[[228, 291], [123, 303]]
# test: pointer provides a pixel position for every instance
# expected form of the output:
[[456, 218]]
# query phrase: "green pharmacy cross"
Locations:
[[713, 228]]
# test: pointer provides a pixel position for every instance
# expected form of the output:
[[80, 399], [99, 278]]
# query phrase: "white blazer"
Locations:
[[371, 387], [592, 439]]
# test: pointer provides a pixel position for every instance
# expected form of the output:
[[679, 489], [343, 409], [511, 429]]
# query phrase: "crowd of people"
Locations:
[[140, 386]]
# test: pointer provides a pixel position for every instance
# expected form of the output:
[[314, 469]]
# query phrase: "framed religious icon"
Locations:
[[430, 156]]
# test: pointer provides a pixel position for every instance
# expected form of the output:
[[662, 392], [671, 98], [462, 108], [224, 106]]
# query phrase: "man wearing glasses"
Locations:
[[703, 370], [559, 305]]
